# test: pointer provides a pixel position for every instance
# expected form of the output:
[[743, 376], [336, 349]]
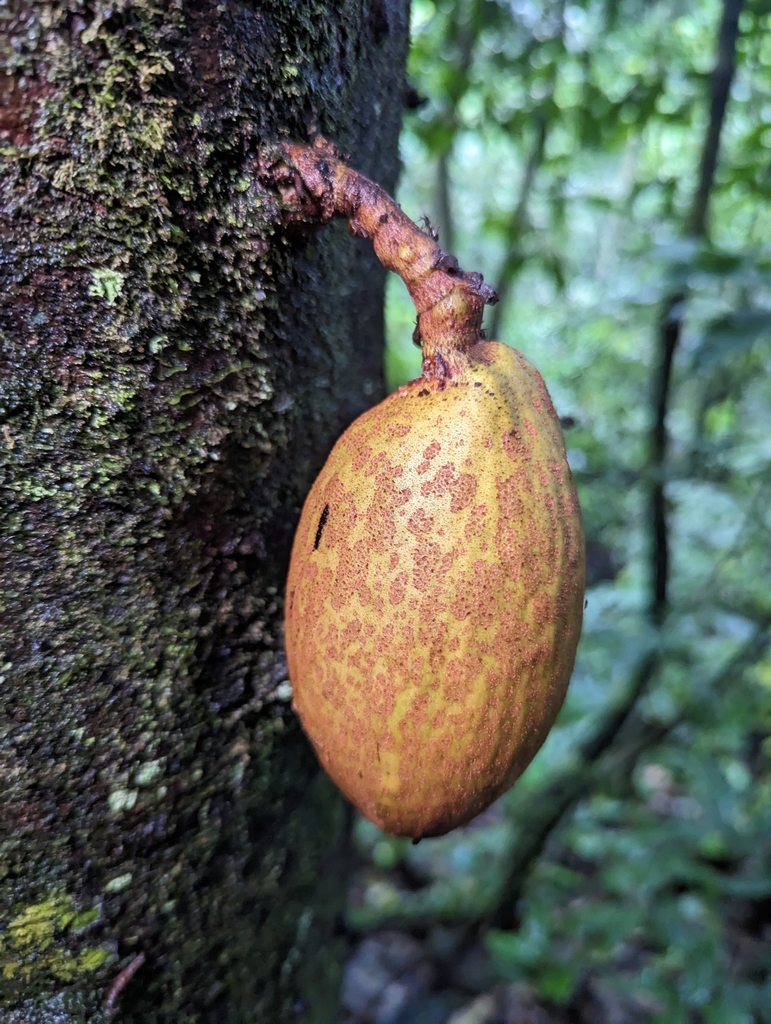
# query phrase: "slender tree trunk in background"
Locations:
[[445, 222], [175, 366], [673, 310]]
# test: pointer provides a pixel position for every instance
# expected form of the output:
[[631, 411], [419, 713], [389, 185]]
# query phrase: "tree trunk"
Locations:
[[175, 366]]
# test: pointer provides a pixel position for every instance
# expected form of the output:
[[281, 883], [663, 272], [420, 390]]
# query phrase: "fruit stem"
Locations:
[[449, 301]]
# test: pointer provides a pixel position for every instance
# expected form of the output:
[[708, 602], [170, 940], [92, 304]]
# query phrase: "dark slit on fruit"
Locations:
[[320, 528]]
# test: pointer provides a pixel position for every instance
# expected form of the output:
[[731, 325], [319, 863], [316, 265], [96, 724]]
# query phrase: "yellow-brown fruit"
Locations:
[[435, 593]]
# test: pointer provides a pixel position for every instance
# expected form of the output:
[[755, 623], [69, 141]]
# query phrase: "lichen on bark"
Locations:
[[175, 366]]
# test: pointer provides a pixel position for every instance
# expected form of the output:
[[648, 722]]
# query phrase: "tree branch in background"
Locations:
[[671, 322], [670, 327], [722, 78], [513, 260]]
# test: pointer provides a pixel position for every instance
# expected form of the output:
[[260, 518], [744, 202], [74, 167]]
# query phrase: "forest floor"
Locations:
[[441, 974]]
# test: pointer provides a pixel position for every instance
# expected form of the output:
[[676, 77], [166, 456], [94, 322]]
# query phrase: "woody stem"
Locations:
[[449, 301]]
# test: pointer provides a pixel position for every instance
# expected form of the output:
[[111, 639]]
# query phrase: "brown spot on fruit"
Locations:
[[463, 491], [420, 523], [430, 453], [510, 499], [515, 447], [398, 588]]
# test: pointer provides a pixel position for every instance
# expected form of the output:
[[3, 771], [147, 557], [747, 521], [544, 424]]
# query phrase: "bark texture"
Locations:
[[174, 366]]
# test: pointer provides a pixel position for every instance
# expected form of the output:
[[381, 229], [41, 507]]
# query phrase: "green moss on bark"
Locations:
[[174, 368]]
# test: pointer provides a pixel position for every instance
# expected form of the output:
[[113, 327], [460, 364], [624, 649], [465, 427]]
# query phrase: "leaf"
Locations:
[[514, 952], [558, 982]]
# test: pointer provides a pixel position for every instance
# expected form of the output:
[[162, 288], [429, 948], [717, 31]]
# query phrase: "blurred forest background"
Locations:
[[570, 152]]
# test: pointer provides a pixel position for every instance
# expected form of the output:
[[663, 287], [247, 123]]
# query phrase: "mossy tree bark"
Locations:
[[175, 366]]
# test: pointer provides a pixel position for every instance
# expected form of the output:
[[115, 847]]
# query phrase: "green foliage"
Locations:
[[569, 137]]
